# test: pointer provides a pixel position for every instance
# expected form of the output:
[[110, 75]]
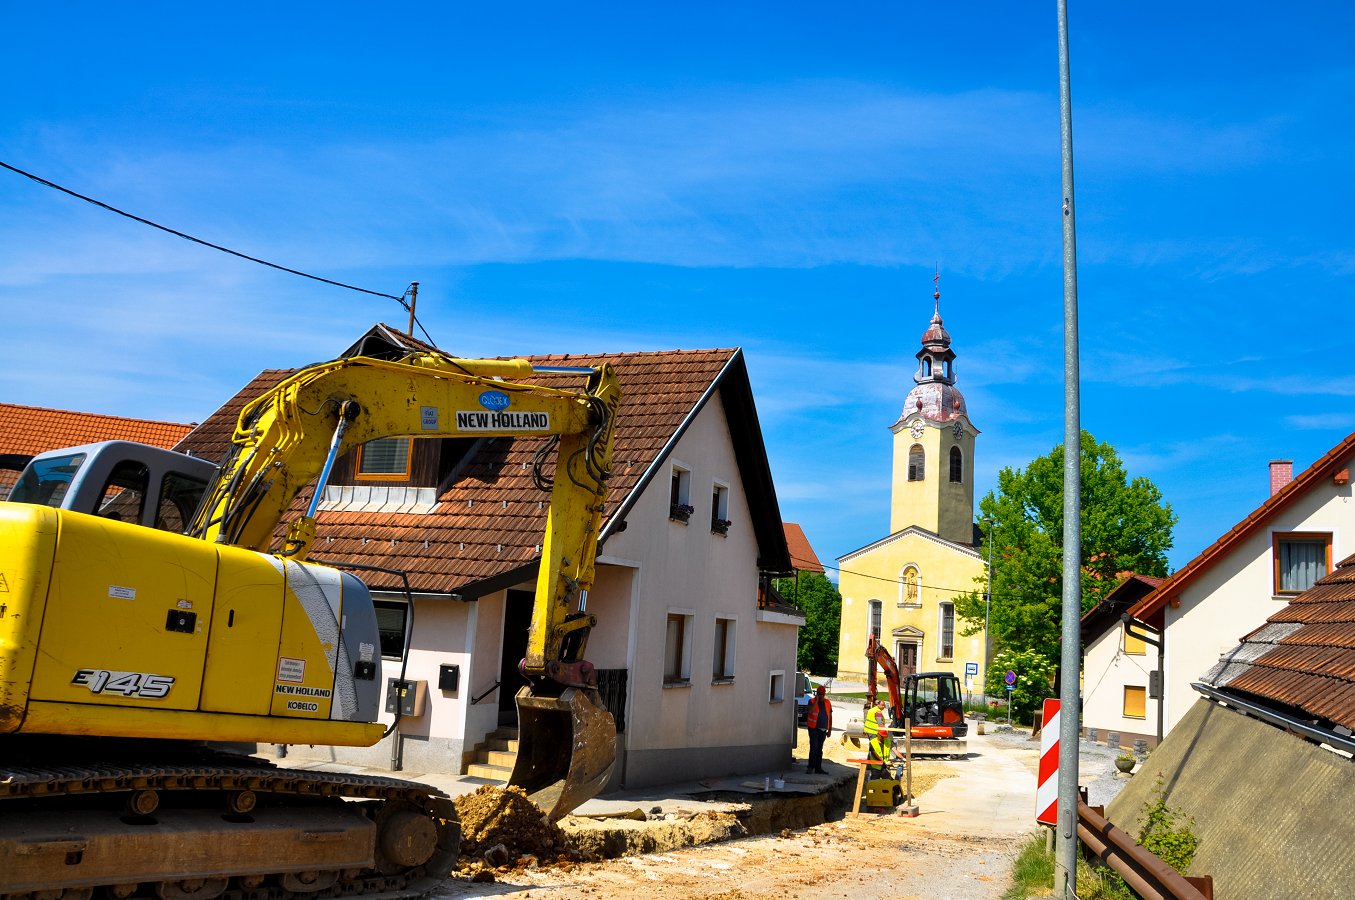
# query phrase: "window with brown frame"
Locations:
[[385, 459], [1135, 702], [1300, 558]]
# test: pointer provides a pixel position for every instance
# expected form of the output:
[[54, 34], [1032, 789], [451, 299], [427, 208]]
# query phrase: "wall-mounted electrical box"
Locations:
[[406, 697], [449, 676]]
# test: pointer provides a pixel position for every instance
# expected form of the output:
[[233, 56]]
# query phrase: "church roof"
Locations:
[[935, 401], [932, 536]]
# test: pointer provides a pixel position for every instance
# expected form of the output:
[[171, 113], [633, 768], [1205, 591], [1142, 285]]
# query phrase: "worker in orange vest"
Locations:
[[819, 722]]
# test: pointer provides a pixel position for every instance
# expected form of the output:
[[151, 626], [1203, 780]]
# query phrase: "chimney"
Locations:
[[1281, 473]]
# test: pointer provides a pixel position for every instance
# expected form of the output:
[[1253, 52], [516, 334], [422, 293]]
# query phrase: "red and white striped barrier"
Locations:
[[1047, 785]]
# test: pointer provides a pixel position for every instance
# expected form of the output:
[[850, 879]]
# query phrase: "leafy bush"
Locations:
[[1033, 672], [1165, 835]]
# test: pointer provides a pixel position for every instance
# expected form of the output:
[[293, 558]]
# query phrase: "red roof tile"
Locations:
[[1336, 459], [490, 522], [29, 430], [802, 556], [1304, 656]]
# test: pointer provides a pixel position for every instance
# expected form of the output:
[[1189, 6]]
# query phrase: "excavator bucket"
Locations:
[[566, 749]]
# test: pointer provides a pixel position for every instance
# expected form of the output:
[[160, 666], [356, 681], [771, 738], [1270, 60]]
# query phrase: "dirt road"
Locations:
[[959, 847]]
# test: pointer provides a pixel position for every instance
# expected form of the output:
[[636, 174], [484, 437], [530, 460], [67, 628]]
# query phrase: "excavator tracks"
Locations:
[[221, 826]]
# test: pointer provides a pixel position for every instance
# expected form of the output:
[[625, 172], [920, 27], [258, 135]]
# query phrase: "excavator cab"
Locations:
[[934, 703]]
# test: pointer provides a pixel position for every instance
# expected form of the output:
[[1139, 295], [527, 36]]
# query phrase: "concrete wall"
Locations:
[[1271, 810], [1236, 595]]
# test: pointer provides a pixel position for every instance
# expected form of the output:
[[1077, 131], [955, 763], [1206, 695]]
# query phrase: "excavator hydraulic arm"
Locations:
[[289, 437]]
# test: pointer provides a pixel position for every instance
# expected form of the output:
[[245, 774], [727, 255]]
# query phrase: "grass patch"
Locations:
[[1033, 876]]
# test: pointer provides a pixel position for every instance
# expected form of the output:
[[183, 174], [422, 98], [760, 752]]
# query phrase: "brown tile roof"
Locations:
[[1101, 617], [1336, 459], [802, 556], [488, 525], [29, 430], [1303, 659]]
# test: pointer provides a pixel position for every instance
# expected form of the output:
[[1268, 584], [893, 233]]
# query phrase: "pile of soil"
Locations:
[[502, 830]]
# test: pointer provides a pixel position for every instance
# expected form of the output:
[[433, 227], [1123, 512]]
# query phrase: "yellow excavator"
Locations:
[[129, 654]]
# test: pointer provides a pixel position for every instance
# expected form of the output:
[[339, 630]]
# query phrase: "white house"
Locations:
[[1253, 570], [1117, 669], [696, 655]]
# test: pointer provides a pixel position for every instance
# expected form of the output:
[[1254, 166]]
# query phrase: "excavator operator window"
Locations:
[[180, 495], [124, 493], [44, 481]]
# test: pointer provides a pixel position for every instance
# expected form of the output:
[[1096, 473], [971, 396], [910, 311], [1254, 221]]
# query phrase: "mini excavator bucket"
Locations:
[[566, 749]]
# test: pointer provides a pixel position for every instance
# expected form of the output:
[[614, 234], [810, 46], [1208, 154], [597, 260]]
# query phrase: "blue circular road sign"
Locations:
[[1010, 677]]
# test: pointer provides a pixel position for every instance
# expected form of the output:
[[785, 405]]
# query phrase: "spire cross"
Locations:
[[936, 292]]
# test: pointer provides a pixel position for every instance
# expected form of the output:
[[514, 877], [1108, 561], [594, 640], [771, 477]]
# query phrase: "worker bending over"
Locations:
[[881, 755]]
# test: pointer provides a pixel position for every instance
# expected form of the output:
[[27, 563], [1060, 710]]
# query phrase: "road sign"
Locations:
[[1047, 786], [971, 668], [1010, 678]]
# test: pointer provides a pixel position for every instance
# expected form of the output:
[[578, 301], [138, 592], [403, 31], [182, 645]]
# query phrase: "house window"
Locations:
[[392, 620], [875, 610], [680, 507], [777, 691], [1132, 645], [956, 465], [677, 651], [916, 461], [910, 589], [1135, 702], [1300, 559], [719, 509], [722, 662], [385, 459], [947, 648]]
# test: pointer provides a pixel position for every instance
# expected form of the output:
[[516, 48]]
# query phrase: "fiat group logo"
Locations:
[[495, 400]]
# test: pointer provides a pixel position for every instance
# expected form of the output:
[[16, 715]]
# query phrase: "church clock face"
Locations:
[[958, 430], [916, 429]]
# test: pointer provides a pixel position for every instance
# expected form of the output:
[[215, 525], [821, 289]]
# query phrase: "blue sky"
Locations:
[[781, 177]]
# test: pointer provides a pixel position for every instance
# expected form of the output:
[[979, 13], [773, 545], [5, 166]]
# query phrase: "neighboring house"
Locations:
[[696, 655], [1260, 765], [26, 431], [1117, 668], [802, 555], [902, 587], [1263, 562]]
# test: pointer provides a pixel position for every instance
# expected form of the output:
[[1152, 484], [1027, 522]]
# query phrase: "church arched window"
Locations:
[[945, 368], [916, 463], [926, 366], [956, 465]]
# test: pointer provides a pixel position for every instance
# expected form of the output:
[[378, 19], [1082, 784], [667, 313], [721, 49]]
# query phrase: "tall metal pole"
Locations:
[[1070, 713], [987, 607]]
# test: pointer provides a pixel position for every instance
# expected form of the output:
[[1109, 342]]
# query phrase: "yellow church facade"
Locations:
[[902, 587]]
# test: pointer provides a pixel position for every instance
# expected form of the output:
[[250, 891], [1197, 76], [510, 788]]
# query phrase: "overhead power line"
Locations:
[[189, 237]]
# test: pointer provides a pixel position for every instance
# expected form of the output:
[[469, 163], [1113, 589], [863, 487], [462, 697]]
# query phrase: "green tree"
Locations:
[[821, 603], [1126, 527], [1033, 673]]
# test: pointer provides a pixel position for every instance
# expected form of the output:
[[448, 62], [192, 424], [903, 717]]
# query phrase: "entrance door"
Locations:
[[906, 656], [517, 616]]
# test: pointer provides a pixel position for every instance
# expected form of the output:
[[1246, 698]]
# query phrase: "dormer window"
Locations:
[[385, 459]]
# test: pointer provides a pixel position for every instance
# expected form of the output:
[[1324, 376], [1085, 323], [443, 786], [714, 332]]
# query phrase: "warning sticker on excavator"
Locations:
[[505, 420], [293, 670]]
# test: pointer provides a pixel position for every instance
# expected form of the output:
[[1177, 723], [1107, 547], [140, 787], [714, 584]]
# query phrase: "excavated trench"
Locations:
[[503, 831]]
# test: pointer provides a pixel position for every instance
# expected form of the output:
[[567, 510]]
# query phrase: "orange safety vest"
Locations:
[[812, 720]]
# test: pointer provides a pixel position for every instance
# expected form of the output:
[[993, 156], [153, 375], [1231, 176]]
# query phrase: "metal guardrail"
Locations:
[[1148, 876]]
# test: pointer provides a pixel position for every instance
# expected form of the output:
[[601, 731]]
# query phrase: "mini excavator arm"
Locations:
[[878, 656]]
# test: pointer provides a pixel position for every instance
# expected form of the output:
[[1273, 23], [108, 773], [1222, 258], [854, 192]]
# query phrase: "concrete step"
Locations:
[[499, 758], [495, 773], [502, 744]]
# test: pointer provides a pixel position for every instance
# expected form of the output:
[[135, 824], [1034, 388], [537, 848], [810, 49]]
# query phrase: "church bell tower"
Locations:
[[933, 485]]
